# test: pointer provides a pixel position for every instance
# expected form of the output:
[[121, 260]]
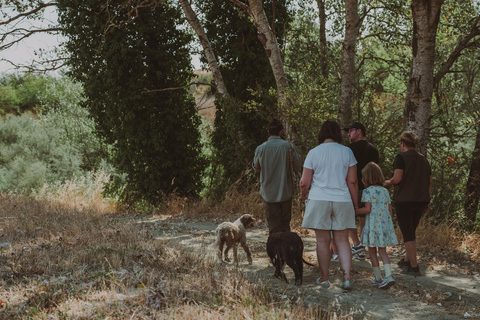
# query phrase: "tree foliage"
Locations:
[[31, 154], [19, 93], [119, 57], [241, 119]]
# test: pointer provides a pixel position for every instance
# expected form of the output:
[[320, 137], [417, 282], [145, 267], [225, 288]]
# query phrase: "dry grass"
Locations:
[[84, 260], [68, 253]]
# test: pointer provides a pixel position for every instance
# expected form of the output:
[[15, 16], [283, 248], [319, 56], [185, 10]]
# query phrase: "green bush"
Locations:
[[31, 154]]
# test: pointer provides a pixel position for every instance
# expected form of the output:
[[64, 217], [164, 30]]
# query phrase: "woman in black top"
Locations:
[[412, 178]]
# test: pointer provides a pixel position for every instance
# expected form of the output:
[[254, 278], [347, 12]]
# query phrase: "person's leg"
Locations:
[[286, 213], [411, 246], [408, 220], [404, 220], [278, 214], [386, 261], [384, 256], [372, 251], [343, 246], [323, 252], [411, 253]]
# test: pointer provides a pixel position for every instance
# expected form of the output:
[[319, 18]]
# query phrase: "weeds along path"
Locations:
[[443, 292]]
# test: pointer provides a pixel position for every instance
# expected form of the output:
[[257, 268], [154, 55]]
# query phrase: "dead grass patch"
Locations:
[[61, 262]]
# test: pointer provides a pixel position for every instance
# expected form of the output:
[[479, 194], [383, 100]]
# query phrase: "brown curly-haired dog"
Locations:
[[232, 233], [285, 247]]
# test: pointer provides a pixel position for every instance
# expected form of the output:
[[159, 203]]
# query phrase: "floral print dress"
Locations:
[[379, 230]]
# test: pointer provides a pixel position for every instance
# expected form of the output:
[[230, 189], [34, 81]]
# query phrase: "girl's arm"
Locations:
[[364, 210]]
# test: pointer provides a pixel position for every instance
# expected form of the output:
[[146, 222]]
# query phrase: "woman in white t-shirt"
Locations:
[[329, 186]]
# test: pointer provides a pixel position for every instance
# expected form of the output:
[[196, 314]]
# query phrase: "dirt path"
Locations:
[[443, 292]]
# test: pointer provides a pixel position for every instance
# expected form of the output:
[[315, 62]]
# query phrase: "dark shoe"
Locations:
[[412, 271], [357, 249], [360, 256], [403, 264]]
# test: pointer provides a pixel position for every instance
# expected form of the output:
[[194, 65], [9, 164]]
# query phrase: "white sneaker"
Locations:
[[335, 258]]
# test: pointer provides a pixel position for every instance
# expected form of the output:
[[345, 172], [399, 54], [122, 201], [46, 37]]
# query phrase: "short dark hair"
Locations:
[[275, 127], [330, 130]]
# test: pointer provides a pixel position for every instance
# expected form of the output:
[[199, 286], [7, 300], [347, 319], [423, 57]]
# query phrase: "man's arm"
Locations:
[[256, 161]]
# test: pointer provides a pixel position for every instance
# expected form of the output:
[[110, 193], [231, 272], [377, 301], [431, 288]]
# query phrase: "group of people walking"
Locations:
[[341, 183]]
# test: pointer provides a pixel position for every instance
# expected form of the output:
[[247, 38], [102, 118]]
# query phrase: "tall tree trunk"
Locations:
[[323, 37], [418, 102], [207, 48], [473, 183], [269, 41], [347, 85]]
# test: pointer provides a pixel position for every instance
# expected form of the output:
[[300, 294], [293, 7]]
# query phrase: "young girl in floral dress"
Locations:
[[379, 232]]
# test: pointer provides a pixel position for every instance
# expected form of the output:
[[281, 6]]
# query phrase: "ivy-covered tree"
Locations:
[[129, 60], [241, 120]]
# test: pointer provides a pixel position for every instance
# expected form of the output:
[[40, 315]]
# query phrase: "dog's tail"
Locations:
[[308, 263]]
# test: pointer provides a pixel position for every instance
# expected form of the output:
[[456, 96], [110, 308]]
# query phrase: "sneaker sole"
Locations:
[[386, 286]]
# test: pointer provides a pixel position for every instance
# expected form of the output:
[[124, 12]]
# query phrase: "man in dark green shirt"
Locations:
[[275, 160]]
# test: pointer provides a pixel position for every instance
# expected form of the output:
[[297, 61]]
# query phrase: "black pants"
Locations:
[[279, 215], [408, 217]]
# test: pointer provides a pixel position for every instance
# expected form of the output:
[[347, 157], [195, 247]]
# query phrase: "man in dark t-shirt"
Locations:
[[364, 152]]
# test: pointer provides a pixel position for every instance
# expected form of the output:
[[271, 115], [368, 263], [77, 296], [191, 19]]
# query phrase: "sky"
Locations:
[[24, 52]]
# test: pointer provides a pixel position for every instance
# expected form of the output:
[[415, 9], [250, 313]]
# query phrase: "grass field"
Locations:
[[68, 256]]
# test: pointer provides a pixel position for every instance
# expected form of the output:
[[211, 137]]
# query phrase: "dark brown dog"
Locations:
[[286, 248], [232, 233]]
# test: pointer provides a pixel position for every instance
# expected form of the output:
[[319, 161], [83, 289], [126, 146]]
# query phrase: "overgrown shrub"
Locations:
[[31, 154]]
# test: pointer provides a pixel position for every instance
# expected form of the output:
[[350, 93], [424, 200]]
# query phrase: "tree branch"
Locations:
[[31, 12], [462, 44], [25, 33], [145, 90], [242, 5]]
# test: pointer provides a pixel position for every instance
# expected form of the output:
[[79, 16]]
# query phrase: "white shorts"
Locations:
[[328, 215]]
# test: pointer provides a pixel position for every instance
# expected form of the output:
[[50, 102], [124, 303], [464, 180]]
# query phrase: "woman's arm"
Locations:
[[396, 179], [305, 182], [352, 184], [390, 209], [365, 210]]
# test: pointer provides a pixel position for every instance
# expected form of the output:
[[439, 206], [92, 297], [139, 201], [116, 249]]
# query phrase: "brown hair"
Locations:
[[409, 139], [330, 130], [372, 175]]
